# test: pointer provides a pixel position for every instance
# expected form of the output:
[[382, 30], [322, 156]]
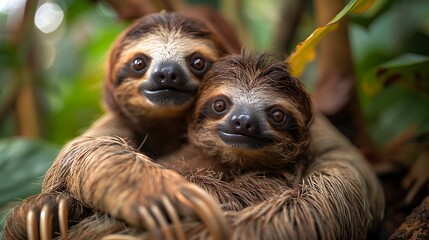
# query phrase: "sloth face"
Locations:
[[251, 113], [157, 68]]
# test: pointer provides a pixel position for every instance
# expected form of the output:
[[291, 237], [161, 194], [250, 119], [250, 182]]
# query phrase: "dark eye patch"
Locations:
[[207, 110], [204, 112], [219, 105], [198, 64], [123, 73], [128, 69], [278, 116], [139, 64], [281, 119]]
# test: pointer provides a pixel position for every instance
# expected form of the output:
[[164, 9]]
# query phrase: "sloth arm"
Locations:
[[107, 126], [56, 179], [332, 149], [102, 170]]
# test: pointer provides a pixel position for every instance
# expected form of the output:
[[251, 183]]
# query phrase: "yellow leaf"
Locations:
[[304, 52], [362, 6]]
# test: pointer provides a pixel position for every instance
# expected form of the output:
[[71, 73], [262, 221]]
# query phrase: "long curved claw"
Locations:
[[155, 219], [207, 209], [41, 214], [119, 237], [46, 217], [32, 226], [63, 218], [174, 217], [162, 222], [149, 223]]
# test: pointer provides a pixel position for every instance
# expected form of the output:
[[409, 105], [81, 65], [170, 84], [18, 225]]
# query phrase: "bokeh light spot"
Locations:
[[48, 17]]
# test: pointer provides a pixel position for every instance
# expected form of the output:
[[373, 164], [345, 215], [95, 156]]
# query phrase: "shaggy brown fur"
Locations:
[[336, 197], [152, 78]]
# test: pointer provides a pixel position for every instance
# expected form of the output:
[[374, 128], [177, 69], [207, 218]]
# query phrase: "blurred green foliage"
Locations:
[[391, 41], [75, 83], [68, 91], [32, 157], [71, 70]]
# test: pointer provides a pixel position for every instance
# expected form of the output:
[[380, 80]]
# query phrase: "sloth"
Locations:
[[249, 129], [279, 176], [253, 118], [153, 74]]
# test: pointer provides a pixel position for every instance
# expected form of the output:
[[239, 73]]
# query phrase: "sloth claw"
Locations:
[[155, 219], [174, 217], [206, 208], [32, 229], [119, 237], [44, 224], [46, 217], [63, 218], [149, 223], [163, 220]]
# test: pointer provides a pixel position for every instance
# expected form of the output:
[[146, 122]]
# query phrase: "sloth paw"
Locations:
[[40, 219], [165, 220], [207, 209]]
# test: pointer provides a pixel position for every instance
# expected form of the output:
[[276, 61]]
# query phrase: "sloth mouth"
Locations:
[[169, 96], [243, 141]]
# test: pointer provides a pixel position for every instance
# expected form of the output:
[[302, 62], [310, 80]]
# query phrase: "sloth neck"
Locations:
[[190, 160], [160, 136]]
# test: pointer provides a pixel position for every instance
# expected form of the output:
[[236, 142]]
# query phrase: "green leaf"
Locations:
[[393, 111], [22, 165], [409, 70], [305, 51]]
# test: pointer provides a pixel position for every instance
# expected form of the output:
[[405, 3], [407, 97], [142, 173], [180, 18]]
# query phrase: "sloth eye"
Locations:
[[280, 118], [139, 64], [219, 105], [277, 116], [198, 64]]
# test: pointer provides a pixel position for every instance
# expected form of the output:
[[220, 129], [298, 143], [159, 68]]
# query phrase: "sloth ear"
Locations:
[[109, 101]]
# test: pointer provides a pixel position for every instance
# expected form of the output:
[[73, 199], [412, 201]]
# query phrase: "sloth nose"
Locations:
[[245, 122], [168, 75]]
